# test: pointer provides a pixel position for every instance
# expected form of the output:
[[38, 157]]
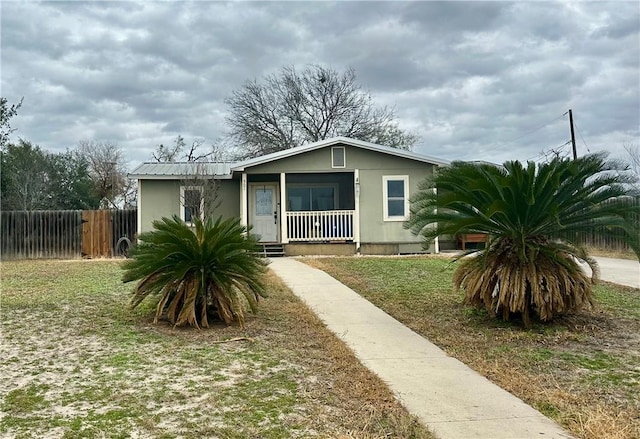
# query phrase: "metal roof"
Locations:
[[169, 171], [225, 170], [241, 166]]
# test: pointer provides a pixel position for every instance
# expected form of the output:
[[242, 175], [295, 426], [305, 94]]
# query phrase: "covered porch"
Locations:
[[302, 207]]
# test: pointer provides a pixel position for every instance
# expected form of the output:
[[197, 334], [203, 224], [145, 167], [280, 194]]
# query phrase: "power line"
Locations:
[[580, 134], [550, 152], [563, 145], [536, 129]]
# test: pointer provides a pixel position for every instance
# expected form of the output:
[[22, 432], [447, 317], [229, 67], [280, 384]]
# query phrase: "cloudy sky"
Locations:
[[488, 81]]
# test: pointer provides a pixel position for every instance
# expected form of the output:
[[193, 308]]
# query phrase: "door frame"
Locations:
[[276, 205]]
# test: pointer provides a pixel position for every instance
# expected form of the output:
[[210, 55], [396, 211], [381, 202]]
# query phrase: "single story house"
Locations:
[[335, 196]]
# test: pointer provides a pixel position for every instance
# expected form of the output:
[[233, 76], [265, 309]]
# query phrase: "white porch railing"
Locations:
[[328, 225]]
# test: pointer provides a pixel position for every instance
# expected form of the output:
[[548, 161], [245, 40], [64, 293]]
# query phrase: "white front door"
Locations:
[[263, 207]]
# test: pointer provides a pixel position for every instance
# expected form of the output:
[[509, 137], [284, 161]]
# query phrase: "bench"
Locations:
[[474, 238]]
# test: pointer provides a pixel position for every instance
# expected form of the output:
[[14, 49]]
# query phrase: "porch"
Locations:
[[320, 226], [302, 207]]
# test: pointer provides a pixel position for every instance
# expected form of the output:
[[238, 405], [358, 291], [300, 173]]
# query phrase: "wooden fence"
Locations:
[[66, 234], [600, 238], [604, 242]]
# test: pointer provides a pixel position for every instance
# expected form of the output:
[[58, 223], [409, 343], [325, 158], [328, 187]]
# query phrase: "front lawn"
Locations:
[[76, 362], [583, 371]]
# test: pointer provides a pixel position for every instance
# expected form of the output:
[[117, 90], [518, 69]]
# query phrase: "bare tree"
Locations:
[[179, 152], [293, 108], [129, 195], [633, 157], [200, 191], [164, 153], [107, 169]]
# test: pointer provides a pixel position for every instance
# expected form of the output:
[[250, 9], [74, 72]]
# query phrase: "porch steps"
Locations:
[[272, 250]]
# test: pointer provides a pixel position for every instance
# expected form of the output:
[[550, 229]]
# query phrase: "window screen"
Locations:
[[338, 157], [302, 199]]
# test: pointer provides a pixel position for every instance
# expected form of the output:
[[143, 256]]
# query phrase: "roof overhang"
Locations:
[[241, 166], [184, 170], [225, 171]]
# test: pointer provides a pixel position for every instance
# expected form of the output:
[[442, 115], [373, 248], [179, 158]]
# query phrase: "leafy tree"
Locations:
[[33, 179], [6, 113], [195, 274], [71, 186], [26, 177], [293, 108], [533, 215]]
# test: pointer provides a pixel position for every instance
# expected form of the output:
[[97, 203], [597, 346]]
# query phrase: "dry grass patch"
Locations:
[[78, 363], [608, 253], [583, 370]]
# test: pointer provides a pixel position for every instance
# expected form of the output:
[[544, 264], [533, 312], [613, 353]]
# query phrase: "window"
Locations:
[[338, 159], [191, 203], [264, 201], [306, 198], [395, 190]]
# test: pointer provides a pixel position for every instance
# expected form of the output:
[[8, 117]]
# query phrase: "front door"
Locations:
[[264, 211]]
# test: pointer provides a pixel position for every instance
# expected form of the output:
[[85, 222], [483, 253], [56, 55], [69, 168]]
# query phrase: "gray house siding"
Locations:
[[161, 198], [359, 215], [372, 167], [318, 160], [158, 198]]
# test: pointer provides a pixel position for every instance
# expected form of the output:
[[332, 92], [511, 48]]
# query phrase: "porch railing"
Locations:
[[328, 225]]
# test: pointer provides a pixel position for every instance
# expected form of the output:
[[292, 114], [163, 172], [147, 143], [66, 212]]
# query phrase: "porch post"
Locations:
[[356, 214], [243, 200], [284, 239]]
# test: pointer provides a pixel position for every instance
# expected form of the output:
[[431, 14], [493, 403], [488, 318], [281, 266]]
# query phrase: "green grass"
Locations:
[[582, 370], [25, 400], [77, 362]]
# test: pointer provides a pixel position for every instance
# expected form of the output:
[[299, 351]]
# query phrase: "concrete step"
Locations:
[[272, 250]]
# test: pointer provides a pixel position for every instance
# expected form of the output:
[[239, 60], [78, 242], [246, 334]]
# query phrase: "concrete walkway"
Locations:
[[450, 398], [620, 271]]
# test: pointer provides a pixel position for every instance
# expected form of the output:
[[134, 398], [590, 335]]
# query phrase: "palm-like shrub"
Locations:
[[195, 273], [533, 215]]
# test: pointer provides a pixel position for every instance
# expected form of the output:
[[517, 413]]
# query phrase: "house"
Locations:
[[335, 196]]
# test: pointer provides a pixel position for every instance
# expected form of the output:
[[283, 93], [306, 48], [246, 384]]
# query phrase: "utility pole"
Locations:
[[573, 136]]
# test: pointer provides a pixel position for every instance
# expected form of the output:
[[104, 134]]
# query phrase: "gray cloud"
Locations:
[[474, 80]]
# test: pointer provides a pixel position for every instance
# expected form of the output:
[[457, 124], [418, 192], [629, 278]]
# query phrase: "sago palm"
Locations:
[[532, 215], [194, 273]]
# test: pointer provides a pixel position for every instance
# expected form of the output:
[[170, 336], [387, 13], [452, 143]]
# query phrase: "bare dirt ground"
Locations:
[[77, 362]]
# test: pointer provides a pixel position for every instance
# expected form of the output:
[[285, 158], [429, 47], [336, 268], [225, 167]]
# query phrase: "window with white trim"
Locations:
[[338, 157], [395, 193], [191, 203]]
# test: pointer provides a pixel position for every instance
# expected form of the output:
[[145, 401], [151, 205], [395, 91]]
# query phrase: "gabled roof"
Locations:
[[169, 171], [241, 166], [225, 170]]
